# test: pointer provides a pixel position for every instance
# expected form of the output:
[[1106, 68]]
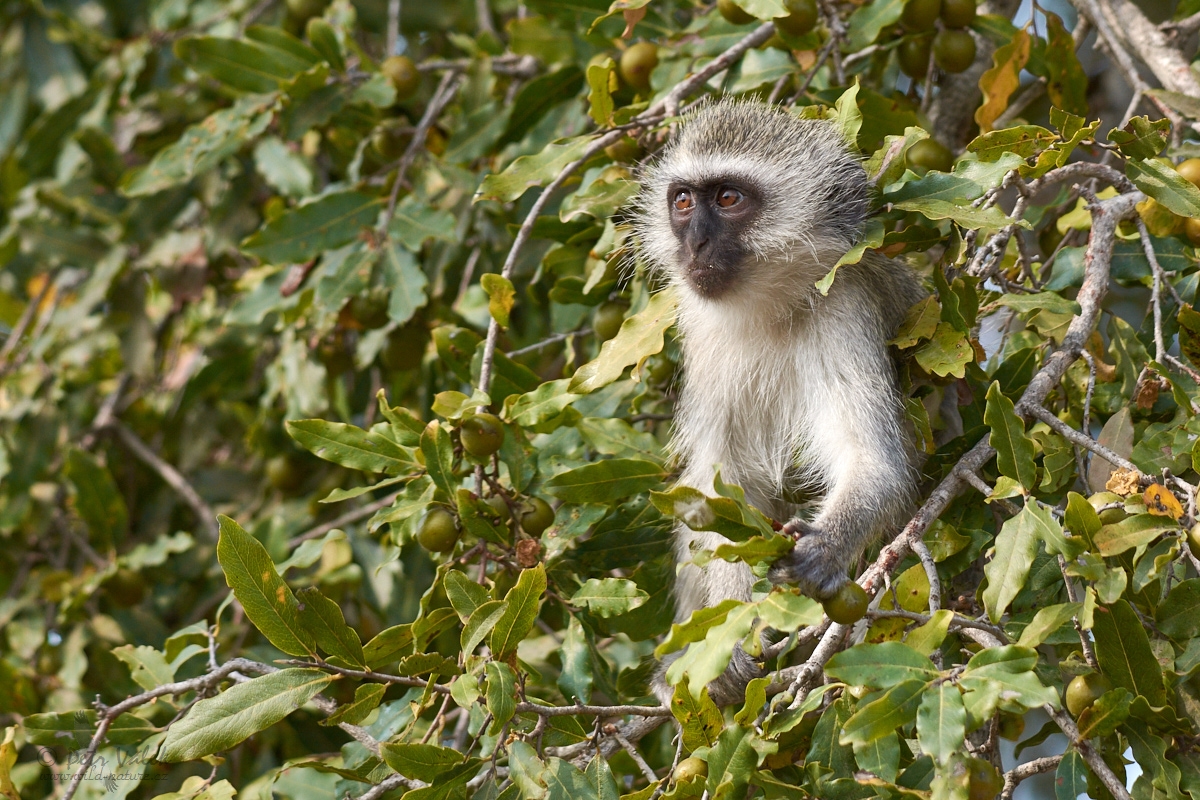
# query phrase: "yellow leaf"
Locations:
[[1161, 503], [999, 82]]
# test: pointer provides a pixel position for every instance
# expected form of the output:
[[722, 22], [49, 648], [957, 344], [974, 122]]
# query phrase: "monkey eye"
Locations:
[[683, 200], [728, 197]]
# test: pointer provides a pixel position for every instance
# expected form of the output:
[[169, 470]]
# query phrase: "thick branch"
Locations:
[[1100, 769]]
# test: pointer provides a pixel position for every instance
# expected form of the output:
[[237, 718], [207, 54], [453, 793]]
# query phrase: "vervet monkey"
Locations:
[[784, 390]]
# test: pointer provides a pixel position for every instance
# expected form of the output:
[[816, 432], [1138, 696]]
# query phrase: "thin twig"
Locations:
[[349, 518]]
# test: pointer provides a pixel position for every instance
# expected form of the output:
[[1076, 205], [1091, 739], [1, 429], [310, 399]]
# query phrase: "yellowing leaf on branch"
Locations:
[[999, 82], [1161, 503]]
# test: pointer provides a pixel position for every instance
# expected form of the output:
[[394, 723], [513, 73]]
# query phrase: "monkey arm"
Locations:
[[857, 446]]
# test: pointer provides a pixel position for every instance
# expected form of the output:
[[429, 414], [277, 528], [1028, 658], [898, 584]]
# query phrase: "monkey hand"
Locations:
[[814, 565]]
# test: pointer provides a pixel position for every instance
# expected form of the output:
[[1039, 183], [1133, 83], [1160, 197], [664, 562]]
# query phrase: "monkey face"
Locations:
[[707, 220]]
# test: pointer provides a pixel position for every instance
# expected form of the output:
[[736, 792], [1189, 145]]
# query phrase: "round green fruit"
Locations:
[[391, 139], [954, 51], [848, 606], [438, 532], [303, 9], [734, 13], [984, 781], [1084, 690], [913, 55], [608, 319], [535, 515], [284, 473], [482, 435], [1193, 538], [958, 13], [802, 17], [1010, 726], [920, 15], [370, 310], [636, 64], [929, 154], [690, 769], [403, 74], [499, 507]]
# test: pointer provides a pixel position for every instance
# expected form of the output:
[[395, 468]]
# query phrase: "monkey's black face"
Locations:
[[708, 220]]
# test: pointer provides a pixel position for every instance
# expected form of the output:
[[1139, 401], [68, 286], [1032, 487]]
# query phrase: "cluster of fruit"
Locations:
[[482, 435], [937, 27]]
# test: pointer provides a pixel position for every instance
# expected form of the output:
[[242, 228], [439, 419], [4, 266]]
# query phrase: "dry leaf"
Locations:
[[1161, 503], [1123, 481]]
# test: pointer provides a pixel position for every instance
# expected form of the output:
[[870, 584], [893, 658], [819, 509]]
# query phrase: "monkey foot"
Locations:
[[811, 566]]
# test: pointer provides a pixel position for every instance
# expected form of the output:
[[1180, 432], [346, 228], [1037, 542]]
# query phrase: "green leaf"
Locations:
[[609, 597], [606, 481], [543, 403], [640, 337], [407, 281], [1016, 545], [576, 679], [1046, 621], [1141, 137], [941, 722], [501, 694], [201, 147], [414, 222], [869, 20], [1024, 140], [465, 594], [1070, 779], [880, 666], [423, 762], [947, 353], [1104, 716], [529, 171], [266, 599], [966, 215], [481, 622], [323, 618], [438, 450], [1179, 614], [538, 97], [602, 81], [699, 718], [705, 661], [1166, 186], [351, 446], [1131, 532], [1123, 649], [890, 711], [517, 620], [366, 700], [1014, 449], [244, 65], [305, 232], [218, 723], [97, 499], [1067, 82]]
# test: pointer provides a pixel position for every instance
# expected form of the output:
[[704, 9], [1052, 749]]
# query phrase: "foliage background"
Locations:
[[241, 278]]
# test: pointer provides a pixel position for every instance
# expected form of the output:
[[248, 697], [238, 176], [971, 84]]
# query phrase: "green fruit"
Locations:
[[636, 64], [802, 17], [1084, 690], [848, 605], [1193, 538], [985, 783], [303, 9], [920, 15], [1191, 229], [929, 154], [370, 310], [438, 532], [391, 139], [954, 51], [535, 515], [482, 435], [1011, 726], [405, 347], [735, 13], [1190, 170], [690, 769], [499, 507], [958, 13], [333, 354], [403, 74], [284, 473], [608, 319], [913, 55]]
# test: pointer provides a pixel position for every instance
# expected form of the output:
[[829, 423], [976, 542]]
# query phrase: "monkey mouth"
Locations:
[[708, 279]]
